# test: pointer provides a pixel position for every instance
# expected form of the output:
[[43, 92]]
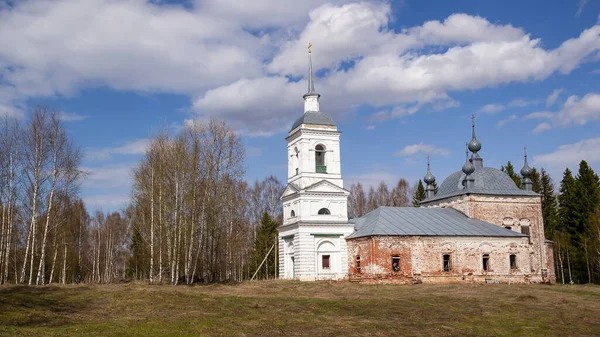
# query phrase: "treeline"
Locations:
[[571, 221], [361, 203], [40, 211], [194, 218]]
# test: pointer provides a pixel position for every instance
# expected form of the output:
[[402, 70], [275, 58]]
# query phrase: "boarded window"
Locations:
[[447, 263], [486, 262], [525, 230], [358, 263], [513, 261], [325, 260], [396, 263]]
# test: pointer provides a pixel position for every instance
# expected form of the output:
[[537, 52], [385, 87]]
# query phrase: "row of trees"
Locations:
[[360, 203], [193, 217], [39, 179], [571, 220]]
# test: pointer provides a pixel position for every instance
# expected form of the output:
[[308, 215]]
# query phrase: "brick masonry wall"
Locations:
[[509, 211], [421, 259]]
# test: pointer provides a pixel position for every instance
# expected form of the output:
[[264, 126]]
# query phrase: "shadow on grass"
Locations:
[[39, 306]]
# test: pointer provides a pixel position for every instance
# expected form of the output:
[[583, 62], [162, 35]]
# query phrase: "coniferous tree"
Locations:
[[549, 211], [419, 194], [588, 196], [510, 170], [265, 239], [536, 180]]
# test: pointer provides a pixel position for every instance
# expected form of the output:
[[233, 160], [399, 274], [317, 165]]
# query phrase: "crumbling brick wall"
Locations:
[[514, 212], [421, 259]]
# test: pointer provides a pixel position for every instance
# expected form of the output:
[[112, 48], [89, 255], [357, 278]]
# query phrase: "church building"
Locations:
[[477, 227]]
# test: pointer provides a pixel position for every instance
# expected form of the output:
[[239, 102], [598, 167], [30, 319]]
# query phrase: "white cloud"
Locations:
[[571, 154], [106, 202], [70, 116], [521, 103], [553, 96], [539, 115], [421, 147], [579, 111], [491, 108], [108, 176], [542, 127], [370, 127], [580, 7], [505, 121], [372, 179], [575, 111], [136, 147], [232, 59]]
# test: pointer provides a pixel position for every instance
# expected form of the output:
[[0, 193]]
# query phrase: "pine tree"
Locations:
[[536, 181], [510, 170], [265, 238], [588, 196], [419, 194], [549, 206]]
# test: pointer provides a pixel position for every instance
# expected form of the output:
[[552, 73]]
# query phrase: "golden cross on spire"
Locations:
[[309, 46]]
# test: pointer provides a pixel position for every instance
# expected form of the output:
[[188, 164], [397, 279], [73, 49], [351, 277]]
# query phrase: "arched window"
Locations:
[[320, 159], [324, 211], [293, 214]]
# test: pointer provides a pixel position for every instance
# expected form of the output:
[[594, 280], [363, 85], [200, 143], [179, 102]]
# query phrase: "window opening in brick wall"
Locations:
[[358, 263], [525, 230], [513, 261], [396, 263], [486, 262], [508, 227], [325, 261], [447, 263]]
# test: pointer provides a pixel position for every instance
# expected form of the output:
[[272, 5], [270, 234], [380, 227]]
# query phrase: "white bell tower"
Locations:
[[312, 242]]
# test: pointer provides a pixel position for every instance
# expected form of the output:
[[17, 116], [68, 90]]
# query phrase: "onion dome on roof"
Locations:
[[526, 172], [474, 144], [429, 178]]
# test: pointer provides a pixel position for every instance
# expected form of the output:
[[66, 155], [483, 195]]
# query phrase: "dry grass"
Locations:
[[280, 308]]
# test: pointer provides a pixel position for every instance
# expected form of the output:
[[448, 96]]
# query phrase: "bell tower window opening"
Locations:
[[292, 214], [320, 166], [324, 211]]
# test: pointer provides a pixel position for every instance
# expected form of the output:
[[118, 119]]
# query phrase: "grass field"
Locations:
[[279, 308]]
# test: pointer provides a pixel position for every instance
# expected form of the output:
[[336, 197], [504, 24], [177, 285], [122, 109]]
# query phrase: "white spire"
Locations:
[[311, 98]]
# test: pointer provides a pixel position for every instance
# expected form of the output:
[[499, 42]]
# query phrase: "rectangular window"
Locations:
[[358, 263], [447, 263], [513, 261], [486, 262], [396, 263], [509, 228], [525, 230], [325, 261]]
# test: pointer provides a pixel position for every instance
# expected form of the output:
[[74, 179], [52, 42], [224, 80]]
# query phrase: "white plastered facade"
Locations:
[[312, 243]]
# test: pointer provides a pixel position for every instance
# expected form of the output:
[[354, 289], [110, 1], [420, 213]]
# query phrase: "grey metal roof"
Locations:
[[419, 221], [313, 117], [488, 180]]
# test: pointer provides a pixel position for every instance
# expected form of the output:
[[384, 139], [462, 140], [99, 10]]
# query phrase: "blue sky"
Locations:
[[401, 79]]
